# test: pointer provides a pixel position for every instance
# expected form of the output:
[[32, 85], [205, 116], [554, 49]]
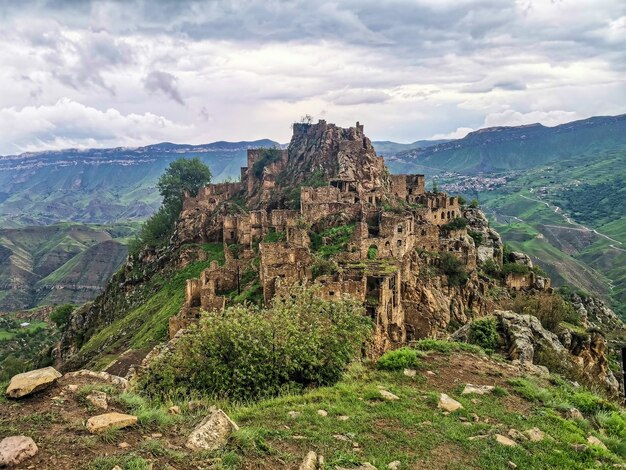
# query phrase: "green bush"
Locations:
[[61, 314], [474, 204], [455, 224], [372, 252], [550, 309], [453, 268], [477, 237], [398, 359], [247, 352], [484, 333]]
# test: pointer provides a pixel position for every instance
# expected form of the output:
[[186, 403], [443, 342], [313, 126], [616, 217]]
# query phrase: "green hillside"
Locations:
[[510, 148], [569, 216], [62, 263], [101, 185]]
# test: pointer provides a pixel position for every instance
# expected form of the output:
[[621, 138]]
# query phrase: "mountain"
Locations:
[[101, 186], [62, 263], [389, 148], [517, 148]]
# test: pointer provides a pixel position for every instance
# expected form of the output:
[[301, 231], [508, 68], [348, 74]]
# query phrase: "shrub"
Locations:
[[474, 204], [550, 309], [491, 269], [484, 333], [372, 252], [247, 352], [455, 224], [273, 236], [477, 237], [61, 315], [453, 268], [398, 359]]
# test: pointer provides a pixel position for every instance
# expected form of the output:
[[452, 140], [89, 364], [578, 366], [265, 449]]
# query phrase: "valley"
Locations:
[[58, 264], [563, 216]]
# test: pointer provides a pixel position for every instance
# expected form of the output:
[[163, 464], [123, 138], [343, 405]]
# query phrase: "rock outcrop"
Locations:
[[212, 433], [15, 450], [100, 423], [27, 383]]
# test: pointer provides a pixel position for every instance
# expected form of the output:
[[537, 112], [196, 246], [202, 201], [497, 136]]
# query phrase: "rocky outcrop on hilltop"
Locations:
[[337, 153]]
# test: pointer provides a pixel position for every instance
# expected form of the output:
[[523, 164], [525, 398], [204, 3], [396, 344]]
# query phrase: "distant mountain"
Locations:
[[387, 147], [517, 148], [101, 185], [63, 263]]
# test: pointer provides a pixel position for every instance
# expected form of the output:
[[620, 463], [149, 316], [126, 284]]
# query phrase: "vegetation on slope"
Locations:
[[248, 352], [181, 177], [349, 422]]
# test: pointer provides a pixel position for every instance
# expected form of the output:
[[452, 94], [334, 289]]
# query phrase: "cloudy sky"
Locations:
[[113, 73]]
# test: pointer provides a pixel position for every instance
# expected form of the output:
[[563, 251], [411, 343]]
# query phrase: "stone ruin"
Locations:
[[265, 221]]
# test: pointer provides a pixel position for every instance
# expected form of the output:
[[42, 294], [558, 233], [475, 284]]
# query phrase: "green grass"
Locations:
[[146, 324], [410, 429]]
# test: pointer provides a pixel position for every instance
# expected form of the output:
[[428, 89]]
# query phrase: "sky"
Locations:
[[129, 73]]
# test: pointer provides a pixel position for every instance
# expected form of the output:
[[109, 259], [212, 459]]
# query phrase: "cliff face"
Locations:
[[345, 154]]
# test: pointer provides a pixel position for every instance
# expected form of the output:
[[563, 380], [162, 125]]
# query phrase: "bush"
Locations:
[[550, 309], [247, 352], [455, 224], [453, 268], [474, 204], [477, 237], [484, 333], [61, 315], [398, 359]]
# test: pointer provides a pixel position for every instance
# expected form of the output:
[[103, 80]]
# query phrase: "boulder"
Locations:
[[594, 441], [521, 258], [534, 434], [448, 404], [16, 449], [505, 441], [98, 399], [388, 395], [212, 433], [477, 389], [575, 414], [31, 382], [101, 423], [309, 462], [363, 466], [524, 334]]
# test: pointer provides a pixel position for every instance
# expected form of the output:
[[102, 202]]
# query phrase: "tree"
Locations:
[[182, 175], [435, 185], [61, 314]]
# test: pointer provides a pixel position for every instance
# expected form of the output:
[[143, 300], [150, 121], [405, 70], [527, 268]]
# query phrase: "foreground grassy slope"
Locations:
[[358, 425]]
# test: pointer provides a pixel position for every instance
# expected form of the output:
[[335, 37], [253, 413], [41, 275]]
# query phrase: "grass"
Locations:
[[126, 462], [147, 323], [416, 428]]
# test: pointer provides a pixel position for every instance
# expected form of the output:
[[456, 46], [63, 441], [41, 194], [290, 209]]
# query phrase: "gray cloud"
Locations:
[[163, 82], [409, 69]]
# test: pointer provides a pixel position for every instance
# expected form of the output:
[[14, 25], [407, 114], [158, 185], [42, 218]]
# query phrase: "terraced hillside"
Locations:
[[63, 263], [569, 216]]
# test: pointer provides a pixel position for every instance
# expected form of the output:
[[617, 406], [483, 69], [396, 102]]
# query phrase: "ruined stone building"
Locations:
[[330, 177]]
